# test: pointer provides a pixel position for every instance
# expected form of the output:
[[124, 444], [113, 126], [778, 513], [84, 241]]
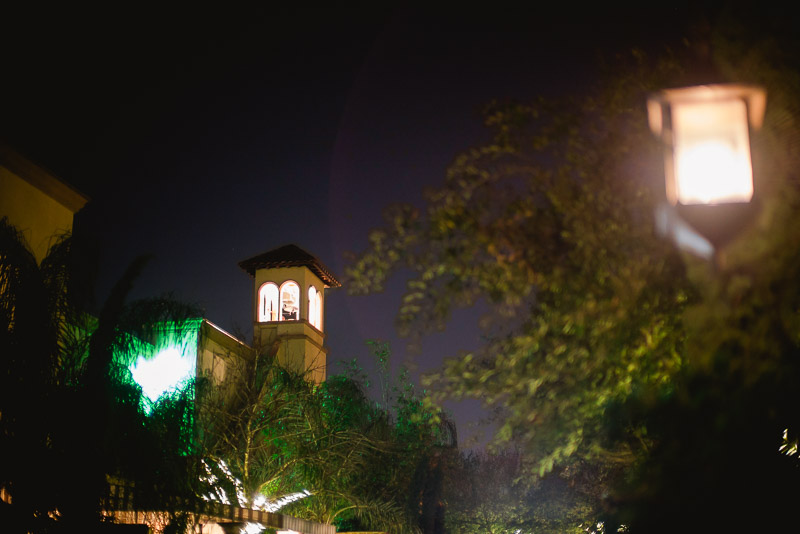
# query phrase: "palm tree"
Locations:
[[66, 410]]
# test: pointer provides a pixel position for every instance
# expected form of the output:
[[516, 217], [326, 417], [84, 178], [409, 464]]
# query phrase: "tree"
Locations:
[[551, 224], [279, 434], [605, 343], [724, 449], [68, 415]]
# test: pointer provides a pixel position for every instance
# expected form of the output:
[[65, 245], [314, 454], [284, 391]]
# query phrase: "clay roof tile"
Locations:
[[289, 256]]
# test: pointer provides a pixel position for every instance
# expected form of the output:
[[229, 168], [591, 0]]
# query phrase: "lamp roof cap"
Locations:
[[754, 96]]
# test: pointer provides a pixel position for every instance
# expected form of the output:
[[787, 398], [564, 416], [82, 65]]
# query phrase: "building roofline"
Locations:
[[42, 179], [225, 333]]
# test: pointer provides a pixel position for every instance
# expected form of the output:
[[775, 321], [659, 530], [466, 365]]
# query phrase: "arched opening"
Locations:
[[268, 303], [315, 308], [290, 301]]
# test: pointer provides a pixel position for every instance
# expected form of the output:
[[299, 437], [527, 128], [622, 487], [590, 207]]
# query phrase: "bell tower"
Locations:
[[289, 307]]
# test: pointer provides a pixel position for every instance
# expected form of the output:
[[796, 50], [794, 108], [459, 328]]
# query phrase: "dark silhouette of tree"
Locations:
[[69, 414]]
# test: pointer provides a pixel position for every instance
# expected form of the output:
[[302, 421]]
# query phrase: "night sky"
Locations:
[[206, 137]]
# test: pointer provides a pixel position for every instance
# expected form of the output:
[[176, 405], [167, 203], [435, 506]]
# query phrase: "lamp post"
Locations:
[[705, 131]]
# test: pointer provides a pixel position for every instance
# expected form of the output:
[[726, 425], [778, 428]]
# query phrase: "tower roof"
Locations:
[[289, 256]]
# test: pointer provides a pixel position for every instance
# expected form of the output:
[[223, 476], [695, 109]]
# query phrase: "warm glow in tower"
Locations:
[[289, 307]]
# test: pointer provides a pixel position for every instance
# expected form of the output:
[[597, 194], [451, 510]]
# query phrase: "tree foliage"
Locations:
[[551, 224], [275, 431], [610, 354], [724, 443], [281, 434], [70, 417]]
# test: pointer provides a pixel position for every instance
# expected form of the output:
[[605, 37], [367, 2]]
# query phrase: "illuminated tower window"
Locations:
[[268, 302], [290, 301], [314, 308]]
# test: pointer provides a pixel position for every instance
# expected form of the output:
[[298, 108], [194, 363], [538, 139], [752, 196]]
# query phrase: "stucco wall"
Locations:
[[37, 215], [36, 202]]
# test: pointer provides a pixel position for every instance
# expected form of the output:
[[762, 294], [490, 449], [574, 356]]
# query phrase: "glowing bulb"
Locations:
[[712, 152], [713, 172]]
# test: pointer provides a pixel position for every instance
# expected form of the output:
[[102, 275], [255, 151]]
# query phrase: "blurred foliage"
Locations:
[[484, 492], [550, 223], [654, 385], [724, 449]]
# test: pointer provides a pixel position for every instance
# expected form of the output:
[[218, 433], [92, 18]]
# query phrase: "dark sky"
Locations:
[[206, 137]]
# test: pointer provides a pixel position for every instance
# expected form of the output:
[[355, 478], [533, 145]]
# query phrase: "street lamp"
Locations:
[[705, 130]]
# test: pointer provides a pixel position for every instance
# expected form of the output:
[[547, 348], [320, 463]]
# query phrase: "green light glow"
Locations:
[[165, 371], [168, 363]]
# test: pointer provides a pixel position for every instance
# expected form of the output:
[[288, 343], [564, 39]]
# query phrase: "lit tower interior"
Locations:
[[289, 307]]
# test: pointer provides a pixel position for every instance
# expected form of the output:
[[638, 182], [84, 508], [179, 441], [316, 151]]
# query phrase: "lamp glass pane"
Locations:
[[712, 152]]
